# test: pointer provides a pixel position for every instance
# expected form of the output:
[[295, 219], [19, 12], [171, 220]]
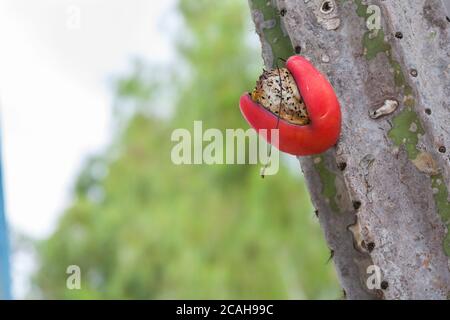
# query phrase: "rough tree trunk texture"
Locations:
[[382, 192]]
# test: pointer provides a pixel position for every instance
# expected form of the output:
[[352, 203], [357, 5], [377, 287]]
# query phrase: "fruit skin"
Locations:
[[323, 109]]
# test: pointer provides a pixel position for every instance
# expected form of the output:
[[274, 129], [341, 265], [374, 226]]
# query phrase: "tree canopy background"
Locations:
[[141, 227]]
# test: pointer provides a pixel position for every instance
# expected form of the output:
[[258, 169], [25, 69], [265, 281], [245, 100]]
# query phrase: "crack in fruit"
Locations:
[[310, 119], [270, 93]]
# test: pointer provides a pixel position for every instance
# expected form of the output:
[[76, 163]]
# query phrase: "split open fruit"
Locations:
[[300, 102]]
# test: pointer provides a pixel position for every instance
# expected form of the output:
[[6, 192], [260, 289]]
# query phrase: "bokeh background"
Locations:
[[91, 93]]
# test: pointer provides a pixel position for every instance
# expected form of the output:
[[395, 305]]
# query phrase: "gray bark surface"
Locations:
[[382, 192]]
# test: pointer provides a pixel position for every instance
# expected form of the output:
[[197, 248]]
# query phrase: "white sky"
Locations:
[[56, 60]]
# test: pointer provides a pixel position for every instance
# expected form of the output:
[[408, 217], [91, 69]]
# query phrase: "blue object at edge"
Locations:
[[5, 280]]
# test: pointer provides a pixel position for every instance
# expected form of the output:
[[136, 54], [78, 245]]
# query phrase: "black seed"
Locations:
[[342, 166], [448, 18], [428, 111], [356, 205], [370, 246], [414, 73], [442, 149], [282, 12], [384, 284], [298, 49]]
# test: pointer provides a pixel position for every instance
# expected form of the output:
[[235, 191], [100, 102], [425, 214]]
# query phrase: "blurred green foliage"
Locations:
[[142, 227]]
